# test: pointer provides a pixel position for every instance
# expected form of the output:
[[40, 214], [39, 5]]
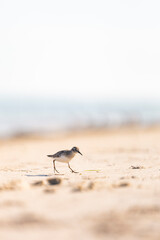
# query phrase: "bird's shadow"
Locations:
[[39, 175], [42, 175]]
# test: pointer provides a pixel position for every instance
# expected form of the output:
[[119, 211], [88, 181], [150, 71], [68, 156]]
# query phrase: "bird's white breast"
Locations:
[[64, 159]]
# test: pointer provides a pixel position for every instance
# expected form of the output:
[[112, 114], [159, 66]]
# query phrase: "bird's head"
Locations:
[[76, 150]]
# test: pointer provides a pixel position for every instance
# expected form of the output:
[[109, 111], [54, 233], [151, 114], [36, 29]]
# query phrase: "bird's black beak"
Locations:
[[79, 152]]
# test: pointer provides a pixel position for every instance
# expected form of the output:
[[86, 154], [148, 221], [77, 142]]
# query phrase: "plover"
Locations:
[[64, 156]]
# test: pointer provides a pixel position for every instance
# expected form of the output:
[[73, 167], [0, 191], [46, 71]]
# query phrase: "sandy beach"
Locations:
[[115, 195]]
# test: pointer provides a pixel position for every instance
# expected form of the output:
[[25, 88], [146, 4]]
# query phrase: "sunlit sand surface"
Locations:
[[115, 195]]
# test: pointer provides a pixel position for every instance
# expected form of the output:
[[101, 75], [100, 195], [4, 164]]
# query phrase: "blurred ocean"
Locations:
[[22, 116]]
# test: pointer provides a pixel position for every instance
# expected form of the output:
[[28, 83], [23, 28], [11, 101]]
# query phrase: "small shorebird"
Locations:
[[64, 156]]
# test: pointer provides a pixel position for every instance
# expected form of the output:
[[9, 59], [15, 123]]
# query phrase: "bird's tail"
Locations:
[[49, 155]]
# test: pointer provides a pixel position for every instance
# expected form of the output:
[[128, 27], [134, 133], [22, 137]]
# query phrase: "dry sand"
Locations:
[[116, 194]]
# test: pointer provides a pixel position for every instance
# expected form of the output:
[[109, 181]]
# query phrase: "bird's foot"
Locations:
[[74, 171], [59, 174]]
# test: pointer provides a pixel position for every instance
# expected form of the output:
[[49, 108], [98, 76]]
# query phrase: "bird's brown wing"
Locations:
[[58, 154]]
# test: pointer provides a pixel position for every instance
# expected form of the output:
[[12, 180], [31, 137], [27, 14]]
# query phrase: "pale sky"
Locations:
[[80, 49]]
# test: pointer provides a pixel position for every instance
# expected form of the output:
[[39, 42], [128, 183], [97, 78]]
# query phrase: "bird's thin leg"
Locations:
[[54, 165], [71, 169]]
